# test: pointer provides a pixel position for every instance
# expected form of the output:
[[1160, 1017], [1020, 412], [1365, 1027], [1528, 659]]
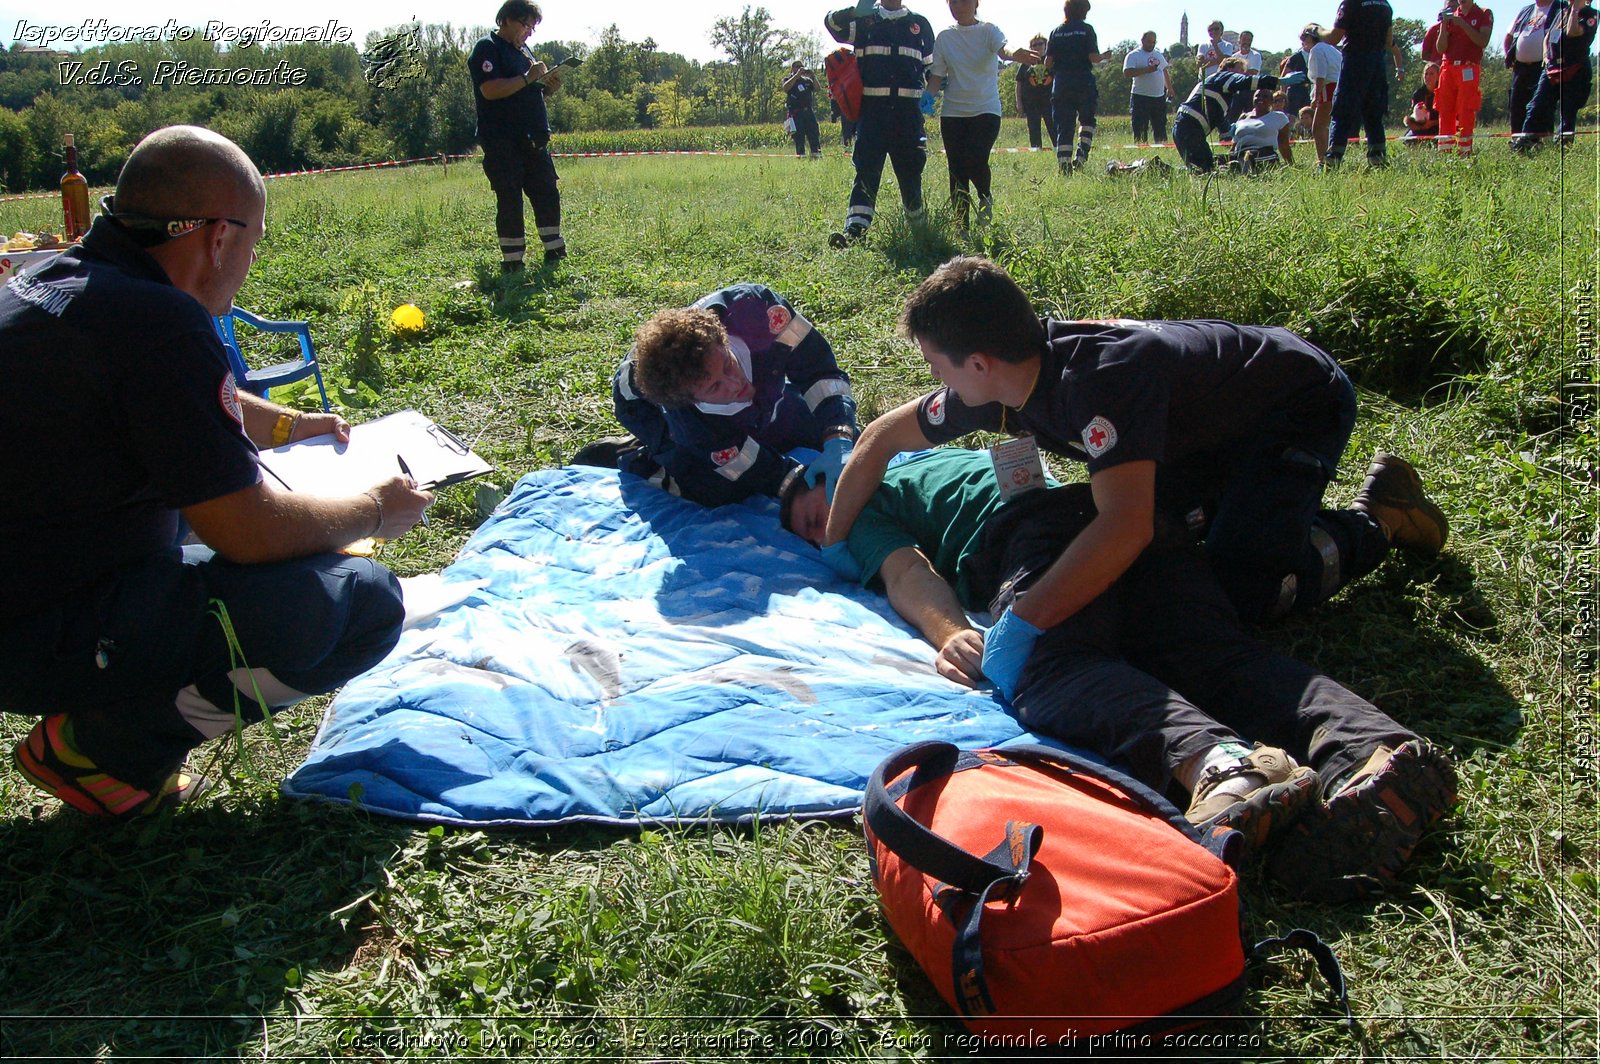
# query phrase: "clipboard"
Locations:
[[569, 61], [322, 465]]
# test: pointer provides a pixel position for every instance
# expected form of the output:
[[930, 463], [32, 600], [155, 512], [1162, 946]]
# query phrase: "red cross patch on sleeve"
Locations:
[[933, 407], [724, 456], [228, 396], [1099, 436], [777, 318], [488, 66]]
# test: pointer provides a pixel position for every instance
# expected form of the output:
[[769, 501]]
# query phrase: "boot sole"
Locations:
[[1356, 845]]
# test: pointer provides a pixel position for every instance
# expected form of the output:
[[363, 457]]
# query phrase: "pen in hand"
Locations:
[[406, 471]]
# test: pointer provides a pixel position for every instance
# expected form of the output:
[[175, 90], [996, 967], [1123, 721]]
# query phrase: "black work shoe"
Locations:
[[605, 453], [1276, 791], [511, 267], [853, 234], [1358, 842], [555, 255], [1392, 495]]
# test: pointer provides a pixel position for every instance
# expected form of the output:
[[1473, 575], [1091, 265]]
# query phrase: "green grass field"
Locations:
[[1460, 294]]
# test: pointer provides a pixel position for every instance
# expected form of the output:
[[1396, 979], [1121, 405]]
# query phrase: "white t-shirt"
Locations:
[[1324, 62], [1530, 42], [1151, 83], [1259, 131], [1252, 61], [968, 59], [1204, 54]]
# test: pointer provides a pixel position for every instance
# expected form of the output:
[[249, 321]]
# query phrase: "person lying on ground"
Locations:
[[1230, 431], [1155, 673], [130, 649], [715, 394]]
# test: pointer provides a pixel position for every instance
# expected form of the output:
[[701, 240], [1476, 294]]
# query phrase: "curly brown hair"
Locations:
[[669, 353]]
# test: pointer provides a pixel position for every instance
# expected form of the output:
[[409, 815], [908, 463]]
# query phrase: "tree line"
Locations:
[[406, 93]]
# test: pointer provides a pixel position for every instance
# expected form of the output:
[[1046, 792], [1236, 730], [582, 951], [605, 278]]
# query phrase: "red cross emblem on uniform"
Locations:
[[724, 456], [1099, 436]]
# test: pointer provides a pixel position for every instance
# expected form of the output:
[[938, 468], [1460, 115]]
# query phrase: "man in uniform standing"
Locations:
[[800, 91], [1462, 36], [123, 423], [1071, 56], [509, 87], [894, 48], [1366, 28]]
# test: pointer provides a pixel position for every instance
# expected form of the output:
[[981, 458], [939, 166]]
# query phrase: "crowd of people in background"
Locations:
[[1333, 88]]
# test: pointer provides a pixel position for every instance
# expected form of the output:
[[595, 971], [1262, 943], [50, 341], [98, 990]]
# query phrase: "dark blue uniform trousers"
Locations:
[[120, 656], [890, 128], [1360, 99], [1158, 668], [1568, 96], [1272, 544]]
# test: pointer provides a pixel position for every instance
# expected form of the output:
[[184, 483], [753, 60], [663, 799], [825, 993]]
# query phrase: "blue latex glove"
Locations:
[[1006, 647], [830, 464], [841, 561], [927, 102], [864, 7]]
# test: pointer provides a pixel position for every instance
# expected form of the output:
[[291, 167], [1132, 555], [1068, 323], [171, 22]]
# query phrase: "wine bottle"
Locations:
[[74, 196]]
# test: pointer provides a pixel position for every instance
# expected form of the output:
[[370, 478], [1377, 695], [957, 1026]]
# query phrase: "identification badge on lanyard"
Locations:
[[1017, 466]]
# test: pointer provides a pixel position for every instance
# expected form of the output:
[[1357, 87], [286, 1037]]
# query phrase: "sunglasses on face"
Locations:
[[152, 231]]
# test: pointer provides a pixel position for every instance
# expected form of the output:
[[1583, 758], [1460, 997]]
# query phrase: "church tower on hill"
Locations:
[[1183, 30]]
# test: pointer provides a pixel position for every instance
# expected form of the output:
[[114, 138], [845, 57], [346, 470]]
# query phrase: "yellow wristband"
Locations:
[[284, 429]]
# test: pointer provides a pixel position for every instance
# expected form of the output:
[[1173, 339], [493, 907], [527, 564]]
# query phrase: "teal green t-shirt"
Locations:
[[936, 501]]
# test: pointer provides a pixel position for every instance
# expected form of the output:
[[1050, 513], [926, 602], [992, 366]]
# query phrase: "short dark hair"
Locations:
[[669, 353], [794, 483], [969, 305], [518, 11], [1077, 8]]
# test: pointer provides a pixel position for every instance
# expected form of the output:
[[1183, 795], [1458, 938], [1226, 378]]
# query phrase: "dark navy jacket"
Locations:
[[800, 393]]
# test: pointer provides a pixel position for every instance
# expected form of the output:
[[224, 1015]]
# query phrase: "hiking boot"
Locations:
[[51, 762], [605, 453], [853, 234], [1392, 495], [1358, 842], [1256, 795]]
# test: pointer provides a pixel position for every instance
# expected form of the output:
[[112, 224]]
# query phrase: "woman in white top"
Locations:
[[1324, 63], [1261, 138], [965, 66]]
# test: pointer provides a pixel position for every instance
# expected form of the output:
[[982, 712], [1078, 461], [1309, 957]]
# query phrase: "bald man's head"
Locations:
[[187, 171]]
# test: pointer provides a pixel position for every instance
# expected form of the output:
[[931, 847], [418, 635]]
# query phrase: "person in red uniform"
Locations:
[[1462, 36]]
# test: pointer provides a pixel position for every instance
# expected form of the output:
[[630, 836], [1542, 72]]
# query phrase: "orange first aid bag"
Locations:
[[1051, 899], [844, 81]]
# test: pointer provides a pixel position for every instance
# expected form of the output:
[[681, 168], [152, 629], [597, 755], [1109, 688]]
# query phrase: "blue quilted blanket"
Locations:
[[635, 658]]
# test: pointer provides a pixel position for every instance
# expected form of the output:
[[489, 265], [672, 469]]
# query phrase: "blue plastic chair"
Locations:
[[260, 381]]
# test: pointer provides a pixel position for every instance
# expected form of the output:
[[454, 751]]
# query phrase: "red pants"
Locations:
[[1458, 98]]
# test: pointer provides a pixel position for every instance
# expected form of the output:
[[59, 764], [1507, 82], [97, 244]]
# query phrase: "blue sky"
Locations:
[[684, 25]]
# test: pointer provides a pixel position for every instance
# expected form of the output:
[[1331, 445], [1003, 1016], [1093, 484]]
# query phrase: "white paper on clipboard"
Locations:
[[322, 465]]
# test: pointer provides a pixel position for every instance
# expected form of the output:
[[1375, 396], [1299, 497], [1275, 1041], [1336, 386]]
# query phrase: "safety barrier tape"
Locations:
[[428, 159]]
